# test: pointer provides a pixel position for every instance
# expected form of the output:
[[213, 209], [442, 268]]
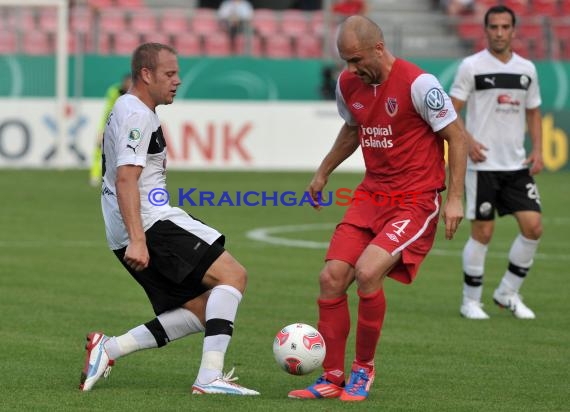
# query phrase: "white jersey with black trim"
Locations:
[[497, 96], [133, 136]]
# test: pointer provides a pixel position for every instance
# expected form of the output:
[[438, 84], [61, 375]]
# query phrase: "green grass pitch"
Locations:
[[59, 281]]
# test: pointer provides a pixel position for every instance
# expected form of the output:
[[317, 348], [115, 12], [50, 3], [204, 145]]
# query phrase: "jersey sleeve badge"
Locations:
[[434, 99]]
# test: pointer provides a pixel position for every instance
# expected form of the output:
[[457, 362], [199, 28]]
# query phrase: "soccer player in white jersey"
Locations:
[[501, 91], [193, 284]]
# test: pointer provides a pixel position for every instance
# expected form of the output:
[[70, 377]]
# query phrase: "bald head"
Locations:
[[359, 32]]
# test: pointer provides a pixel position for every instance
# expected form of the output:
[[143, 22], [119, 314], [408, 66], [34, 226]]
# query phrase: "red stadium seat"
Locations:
[[530, 30], [78, 42], [265, 22], [522, 47], [204, 21], [126, 42], [188, 44], [81, 20], [561, 28], [24, 20], [104, 43], [143, 21], [487, 3], [112, 21], [565, 8], [47, 20], [545, 7], [130, 4], [217, 44], [8, 42], [255, 48], [205, 13], [174, 21], [309, 47], [265, 13], [565, 52], [278, 46], [158, 37], [100, 4], [479, 44], [205, 24], [561, 37], [37, 42], [317, 22], [520, 7], [469, 29], [294, 23]]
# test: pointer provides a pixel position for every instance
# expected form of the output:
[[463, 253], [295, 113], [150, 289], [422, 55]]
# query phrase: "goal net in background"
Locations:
[[34, 129]]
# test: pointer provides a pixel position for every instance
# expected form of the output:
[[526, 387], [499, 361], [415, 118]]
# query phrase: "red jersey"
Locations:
[[397, 124]]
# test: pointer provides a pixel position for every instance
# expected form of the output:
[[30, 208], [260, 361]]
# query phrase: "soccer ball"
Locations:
[[299, 349]]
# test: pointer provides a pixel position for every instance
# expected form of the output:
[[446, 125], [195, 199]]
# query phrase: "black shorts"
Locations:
[[505, 192], [178, 262]]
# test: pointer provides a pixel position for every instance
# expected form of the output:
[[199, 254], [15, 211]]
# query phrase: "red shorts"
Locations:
[[407, 228]]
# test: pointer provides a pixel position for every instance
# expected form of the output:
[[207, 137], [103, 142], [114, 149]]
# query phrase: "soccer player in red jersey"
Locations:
[[399, 116]]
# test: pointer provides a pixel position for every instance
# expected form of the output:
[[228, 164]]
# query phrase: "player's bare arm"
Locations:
[[476, 150], [345, 144], [454, 133], [128, 197], [534, 124]]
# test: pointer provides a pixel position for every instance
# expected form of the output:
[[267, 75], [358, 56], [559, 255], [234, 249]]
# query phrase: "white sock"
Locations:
[[474, 254], [221, 311], [177, 323], [521, 257], [135, 339]]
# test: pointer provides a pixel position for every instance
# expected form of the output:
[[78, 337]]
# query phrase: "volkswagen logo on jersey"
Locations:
[[434, 99]]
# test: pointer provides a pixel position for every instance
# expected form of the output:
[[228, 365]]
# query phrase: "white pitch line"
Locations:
[[556, 220], [50, 242], [264, 234], [268, 235], [498, 255]]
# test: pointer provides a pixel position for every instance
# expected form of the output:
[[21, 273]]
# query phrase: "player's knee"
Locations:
[[483, 234], [533, 231], [240, 277], [365, 277], [233, 275], [332, 283]]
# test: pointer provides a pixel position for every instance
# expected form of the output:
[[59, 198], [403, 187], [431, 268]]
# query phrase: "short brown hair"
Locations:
[[497, 10], [146, 56]]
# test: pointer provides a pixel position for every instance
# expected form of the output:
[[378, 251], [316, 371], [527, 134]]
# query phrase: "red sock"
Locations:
[[371, 311], [334, 325]]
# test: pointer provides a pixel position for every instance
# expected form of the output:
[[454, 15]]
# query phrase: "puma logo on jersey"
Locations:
[[490, 80]]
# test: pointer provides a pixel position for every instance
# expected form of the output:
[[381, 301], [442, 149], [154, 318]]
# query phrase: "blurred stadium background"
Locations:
[[55, 72], [262, 107]]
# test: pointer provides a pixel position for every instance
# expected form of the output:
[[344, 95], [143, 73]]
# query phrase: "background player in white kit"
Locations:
[[501, 90], [194, 285]]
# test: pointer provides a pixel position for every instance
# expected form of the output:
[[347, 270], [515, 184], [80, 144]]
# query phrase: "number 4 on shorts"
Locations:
[[400, 226]]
